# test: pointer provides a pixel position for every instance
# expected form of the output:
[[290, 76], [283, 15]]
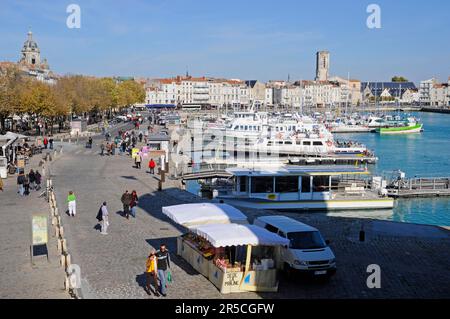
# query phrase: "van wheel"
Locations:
[[287, 270]]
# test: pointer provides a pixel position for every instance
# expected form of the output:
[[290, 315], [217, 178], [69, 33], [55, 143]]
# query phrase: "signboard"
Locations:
[[39, 230]]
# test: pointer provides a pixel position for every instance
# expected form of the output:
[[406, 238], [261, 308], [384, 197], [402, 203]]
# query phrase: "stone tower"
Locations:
[[31, 55], [322, 65]]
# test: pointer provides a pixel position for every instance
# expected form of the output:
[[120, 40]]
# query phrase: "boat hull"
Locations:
[[401, 130], [319, 205]]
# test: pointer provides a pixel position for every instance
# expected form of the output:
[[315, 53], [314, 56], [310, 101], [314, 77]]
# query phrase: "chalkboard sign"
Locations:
[[39, 236], [39, 230]]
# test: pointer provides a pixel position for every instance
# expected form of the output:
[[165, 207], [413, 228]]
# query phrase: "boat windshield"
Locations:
[[306, 240]]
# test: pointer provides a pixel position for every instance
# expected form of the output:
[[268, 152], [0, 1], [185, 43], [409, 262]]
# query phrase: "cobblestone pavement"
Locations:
[[18, 278], [413, 266]]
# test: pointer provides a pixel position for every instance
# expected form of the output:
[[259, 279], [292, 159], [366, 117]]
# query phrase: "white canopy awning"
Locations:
[[12, 136], [190, 215], [223, 235]]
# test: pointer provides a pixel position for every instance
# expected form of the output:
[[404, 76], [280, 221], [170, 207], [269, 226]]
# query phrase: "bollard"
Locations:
[[54, 221], [56, 211], [59, 220], [62, 261], [67, 283], [68, 260], [64, 245], [61, 231], [59, 246], [55, 231]]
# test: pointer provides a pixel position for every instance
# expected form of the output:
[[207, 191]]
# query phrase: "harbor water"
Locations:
[[422, 155], [418, 155]]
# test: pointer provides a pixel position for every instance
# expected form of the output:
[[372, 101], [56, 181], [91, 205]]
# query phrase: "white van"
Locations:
[[308, 252]]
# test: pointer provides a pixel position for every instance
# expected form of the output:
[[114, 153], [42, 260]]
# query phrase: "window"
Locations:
[[306, 186], [262, 184], [321, 183], [271, 228], [306, 240], [317, 143], [306, 143], [243, 182], [286, 184], [288, 143]]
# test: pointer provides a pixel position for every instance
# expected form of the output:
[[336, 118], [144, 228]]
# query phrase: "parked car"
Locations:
[[308, 253]]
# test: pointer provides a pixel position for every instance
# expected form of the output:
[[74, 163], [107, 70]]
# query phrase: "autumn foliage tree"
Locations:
[[71, 95]]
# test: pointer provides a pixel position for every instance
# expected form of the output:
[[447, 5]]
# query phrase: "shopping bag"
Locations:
[[169, 277]]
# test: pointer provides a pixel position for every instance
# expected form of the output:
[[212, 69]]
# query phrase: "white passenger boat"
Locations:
[[323, 188]]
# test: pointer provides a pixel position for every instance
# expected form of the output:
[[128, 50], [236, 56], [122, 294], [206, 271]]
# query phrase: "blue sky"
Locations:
[[234, 39]]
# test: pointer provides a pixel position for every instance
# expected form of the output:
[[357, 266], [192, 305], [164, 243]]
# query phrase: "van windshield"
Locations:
[[306, 240]]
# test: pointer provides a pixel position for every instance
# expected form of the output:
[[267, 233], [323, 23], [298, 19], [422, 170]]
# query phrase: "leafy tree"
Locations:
[[399, 79], [11, 84]]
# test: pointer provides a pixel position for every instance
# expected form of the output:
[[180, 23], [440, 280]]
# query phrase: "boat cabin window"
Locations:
[[269, 143], [321, 183], [286, 184], [299, 143], [279, 142], [243, 183], [306, 184], [307, 143], [318, 143], [288, 143], [262, 185]]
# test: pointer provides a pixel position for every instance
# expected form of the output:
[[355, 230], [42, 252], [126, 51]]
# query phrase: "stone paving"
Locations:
[[18, 278], [413, 266]]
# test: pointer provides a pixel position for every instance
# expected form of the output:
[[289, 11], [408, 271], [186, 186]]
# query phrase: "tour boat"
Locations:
[[323, 188], [410, 125]]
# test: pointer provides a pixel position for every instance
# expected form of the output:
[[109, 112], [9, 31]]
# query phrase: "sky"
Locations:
[[248, 39]]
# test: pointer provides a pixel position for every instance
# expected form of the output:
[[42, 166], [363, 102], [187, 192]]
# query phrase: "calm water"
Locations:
[[423, 155]]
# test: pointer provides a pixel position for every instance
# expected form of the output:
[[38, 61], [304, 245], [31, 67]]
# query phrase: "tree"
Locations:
[[11, 85], [399, 79], [130, 92]]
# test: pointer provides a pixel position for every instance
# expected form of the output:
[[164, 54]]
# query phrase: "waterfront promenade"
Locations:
[[413, 259]]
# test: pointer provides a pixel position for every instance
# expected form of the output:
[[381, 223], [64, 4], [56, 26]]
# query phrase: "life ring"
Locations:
[[329, 143]]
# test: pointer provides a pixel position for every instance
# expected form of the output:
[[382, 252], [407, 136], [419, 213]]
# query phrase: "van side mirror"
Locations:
[[327, 242]]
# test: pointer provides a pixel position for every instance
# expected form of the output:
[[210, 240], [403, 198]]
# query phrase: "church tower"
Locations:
[[31, 55], [322, 65]]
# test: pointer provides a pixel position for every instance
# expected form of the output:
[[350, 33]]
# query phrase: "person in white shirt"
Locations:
[[105, 219]]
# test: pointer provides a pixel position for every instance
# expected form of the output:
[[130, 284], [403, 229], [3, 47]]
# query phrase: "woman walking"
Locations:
[[134, 202], [151, 273]]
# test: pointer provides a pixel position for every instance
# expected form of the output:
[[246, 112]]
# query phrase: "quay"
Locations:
[[420, 187]]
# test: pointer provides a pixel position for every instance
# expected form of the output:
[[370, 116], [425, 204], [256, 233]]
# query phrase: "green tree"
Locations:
[[399, 79], [11, 86]]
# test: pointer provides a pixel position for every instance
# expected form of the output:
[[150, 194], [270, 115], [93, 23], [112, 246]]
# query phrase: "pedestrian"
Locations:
[[26, 185], [72, 204], [1, 184], [51, 142], [108, 148], [102, 148], [137, 160], [90, 142], [140, 137], [105, 219], [20, 182], [151, 166], [134, 202], [126, 201], [45, 142], [151, 272], [38, 180], [32, 178], [163, 265]]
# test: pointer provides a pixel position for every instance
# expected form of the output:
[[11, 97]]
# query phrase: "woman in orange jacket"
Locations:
[[151, 272]]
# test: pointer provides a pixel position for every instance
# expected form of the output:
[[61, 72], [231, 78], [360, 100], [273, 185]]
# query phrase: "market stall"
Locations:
[[219, 244], [194, 215]]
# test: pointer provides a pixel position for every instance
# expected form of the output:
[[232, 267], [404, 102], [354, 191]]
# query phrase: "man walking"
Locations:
[[105, 219], [163, 263], [20, 183], [138, 161], [71, 201], [151, 166], [45, 142], [32, 178], [126, 201]]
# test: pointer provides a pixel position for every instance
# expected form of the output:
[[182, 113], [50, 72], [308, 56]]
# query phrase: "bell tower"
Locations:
[[322, 65], [31, 55]]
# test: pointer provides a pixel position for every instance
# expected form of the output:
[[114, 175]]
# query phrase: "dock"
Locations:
[[420, 187]]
